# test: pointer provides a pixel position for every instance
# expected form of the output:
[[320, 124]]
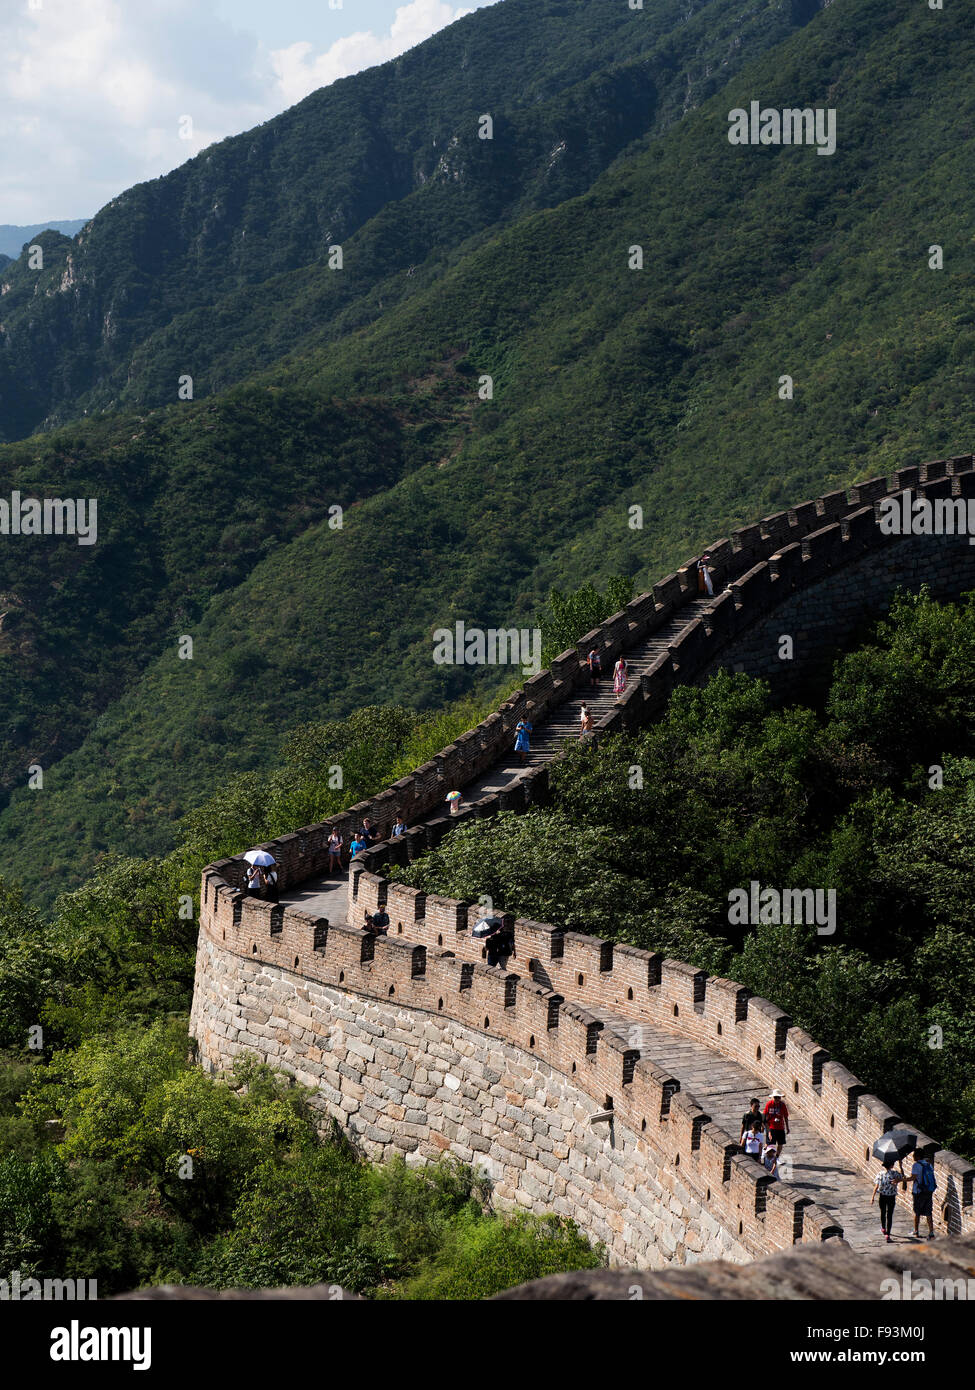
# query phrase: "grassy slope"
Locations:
[[612, 387]]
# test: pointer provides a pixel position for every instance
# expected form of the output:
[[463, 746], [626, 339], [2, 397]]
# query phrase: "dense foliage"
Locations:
[[871, 796], [166, 1174]]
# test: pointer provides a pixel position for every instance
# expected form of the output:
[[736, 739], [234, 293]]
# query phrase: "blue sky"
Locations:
[[94, 94]]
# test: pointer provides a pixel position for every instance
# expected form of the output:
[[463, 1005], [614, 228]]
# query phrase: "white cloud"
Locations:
[[92, 92], [299, 73]]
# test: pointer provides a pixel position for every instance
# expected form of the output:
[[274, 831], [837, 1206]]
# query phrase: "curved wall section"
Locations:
[[414, 1082], [313, 999], [417, 1046]]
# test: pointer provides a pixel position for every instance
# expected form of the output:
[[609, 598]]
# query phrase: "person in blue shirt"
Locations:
[[924, 1184]]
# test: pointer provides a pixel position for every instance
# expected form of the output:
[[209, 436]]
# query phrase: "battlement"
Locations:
[[543, 1003]]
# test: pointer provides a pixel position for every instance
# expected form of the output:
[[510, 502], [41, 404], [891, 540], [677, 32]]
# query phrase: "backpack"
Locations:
[[928, 1181]]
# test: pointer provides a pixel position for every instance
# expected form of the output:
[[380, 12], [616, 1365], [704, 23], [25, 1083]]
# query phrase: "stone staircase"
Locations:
[[328, 897]]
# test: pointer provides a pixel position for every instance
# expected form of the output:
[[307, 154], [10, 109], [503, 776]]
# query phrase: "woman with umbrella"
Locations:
[[890, 1148], [491, 931], [262, 874]]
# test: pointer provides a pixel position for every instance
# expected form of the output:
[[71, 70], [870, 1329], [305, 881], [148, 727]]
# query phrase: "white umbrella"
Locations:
[[260, 857]]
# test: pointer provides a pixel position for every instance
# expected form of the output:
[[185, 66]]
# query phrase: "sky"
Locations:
[[94, 94]]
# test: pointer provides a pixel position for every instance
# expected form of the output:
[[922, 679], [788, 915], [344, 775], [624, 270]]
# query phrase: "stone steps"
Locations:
[[723, 1089]]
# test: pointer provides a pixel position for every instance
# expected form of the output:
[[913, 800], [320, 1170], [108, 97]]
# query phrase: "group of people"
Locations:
[[923, 1187], [620, 672], [261, 881], [763, 1131], [367, 834], [376, 922]]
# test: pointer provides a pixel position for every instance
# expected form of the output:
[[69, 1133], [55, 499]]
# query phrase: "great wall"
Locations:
[[590, 1079]]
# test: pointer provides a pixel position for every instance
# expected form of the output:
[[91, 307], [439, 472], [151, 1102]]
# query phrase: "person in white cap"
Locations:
[[776, 1114]]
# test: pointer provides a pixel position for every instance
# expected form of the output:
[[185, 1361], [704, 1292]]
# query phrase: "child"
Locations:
[[753, 1143]]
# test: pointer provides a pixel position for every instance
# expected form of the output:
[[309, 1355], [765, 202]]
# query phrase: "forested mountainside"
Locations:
[[388, 163], [611, 386], [14, 238]]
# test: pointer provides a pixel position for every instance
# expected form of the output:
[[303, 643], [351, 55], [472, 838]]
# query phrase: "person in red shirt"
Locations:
[[776, 1114]]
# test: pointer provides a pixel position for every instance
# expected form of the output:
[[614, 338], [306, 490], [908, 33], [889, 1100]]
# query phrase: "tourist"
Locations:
[[753, 1141], [523, 739], [923, 1188], [704, 575], [770, 1161], [357, 844], [595, 663], [585, 720], [399, 826], [335, 851], [752, 1116], [885, 1187], [495, 936], [377, 922], [262, 881], [620, 676], [776, 1115], [369, 832]]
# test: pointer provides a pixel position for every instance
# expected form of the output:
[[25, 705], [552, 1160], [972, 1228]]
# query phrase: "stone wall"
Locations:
[[826, 618], [417, 1084], [427, 985]]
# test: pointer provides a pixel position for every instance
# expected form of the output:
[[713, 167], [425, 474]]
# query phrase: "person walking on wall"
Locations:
[[357, 844], [705, 581], [770, 1161], [776, 1115], [595, 663], [885, 1187], [752, 1116], [585, 721], [923, 1187], [523, 739], [620, 677], [754, 1141], [399, 826], [335, 852]]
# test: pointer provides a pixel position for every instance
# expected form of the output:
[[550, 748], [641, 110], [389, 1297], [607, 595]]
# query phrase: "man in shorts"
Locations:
[[922, 1190], [776, 1115]]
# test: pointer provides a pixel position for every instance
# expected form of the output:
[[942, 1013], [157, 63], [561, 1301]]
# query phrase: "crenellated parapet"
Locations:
[[544, 1005]]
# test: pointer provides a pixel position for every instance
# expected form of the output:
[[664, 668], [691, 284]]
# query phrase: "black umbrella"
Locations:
[[895, 1144], [486, 925]]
